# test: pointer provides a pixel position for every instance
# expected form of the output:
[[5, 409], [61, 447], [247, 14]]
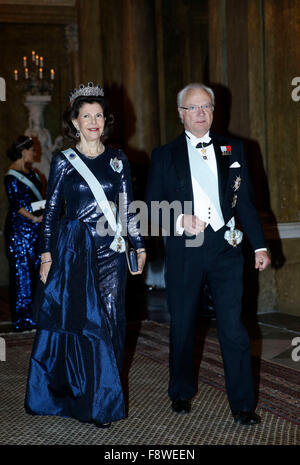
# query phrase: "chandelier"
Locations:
[[34, 78]]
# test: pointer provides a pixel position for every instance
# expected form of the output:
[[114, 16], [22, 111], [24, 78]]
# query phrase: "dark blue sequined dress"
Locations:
[[21, 236], [78, 349]]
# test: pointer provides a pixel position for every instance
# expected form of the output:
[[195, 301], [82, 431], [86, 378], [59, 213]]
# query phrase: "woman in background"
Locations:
[[23, 187]]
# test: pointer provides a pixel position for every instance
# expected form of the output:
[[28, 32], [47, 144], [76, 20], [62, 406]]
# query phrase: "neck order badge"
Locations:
[[202, 146]]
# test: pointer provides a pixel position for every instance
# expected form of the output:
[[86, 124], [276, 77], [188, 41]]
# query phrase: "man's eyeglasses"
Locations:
[[195, 108]]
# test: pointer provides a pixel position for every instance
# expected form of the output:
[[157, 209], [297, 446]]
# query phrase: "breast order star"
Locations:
[[237, 183]]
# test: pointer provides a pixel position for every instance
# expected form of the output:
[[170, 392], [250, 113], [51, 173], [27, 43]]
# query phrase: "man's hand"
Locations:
[[261, 260], [192, 224]]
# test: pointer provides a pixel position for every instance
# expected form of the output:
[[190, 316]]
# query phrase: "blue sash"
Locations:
[[26, 181], [204, 177]]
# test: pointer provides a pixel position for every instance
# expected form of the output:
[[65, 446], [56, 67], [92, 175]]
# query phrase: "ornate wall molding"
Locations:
[[282, 230], [39, 12], [289, 230], [71, 3]]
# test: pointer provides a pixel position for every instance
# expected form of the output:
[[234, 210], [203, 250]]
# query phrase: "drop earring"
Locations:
[[77, 133]]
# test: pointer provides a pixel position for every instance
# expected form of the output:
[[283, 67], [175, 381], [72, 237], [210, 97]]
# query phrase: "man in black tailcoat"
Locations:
[[206, 174]]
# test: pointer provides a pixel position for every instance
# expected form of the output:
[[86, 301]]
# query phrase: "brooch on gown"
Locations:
[[233, 236], [116, 164]]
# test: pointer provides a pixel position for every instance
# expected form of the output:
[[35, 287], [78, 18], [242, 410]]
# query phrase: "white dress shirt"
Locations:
[[203, 208]]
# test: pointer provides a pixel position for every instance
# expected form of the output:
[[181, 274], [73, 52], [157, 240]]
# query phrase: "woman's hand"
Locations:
[[46, 263], [35, 219], [141, 260]]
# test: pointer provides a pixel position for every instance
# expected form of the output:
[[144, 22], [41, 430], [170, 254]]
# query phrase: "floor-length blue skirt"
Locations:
[[78, 348]]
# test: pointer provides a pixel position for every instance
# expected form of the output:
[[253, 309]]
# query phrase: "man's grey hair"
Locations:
[[194, 85]]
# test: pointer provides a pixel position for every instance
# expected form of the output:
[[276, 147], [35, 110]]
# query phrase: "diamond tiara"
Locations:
[[21, 144], [87, 91]]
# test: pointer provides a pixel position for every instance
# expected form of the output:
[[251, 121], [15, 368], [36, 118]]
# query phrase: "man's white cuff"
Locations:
[[179, 228]]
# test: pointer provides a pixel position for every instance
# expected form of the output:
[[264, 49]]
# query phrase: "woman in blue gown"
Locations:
[[78, 349], [23, 187]]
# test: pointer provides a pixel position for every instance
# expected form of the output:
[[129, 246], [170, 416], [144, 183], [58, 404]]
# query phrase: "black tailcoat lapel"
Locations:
[[222, 165], [182, 167]]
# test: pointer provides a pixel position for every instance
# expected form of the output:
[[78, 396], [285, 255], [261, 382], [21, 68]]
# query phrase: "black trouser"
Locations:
[[221, 265]]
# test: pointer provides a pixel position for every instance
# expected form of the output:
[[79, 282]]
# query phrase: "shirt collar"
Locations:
[[195, 140]]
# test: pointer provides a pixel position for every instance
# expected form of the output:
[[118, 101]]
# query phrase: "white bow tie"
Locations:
[[205, 139], [194, 140]]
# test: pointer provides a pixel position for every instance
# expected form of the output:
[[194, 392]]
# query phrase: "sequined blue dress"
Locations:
[[21, 236], [78, 349]]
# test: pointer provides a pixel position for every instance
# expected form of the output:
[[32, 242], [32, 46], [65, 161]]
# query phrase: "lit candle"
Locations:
[[25, 62], [16, 74], [37, 60], [52, 74], [41, 73], [33, 55], [26, 73], [41, 62]]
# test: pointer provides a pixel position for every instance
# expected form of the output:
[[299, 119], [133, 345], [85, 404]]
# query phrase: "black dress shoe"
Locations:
[[102, 425], [247, 418], [181, 406]]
